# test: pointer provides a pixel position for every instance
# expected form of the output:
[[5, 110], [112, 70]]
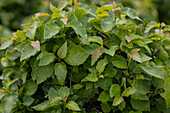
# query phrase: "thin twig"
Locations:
[[45, 89], [82, 100], [155, 52], [96, 110], [91, 94]]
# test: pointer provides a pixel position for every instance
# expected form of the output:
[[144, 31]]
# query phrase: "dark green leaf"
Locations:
[[47, 59], [30, 87], [114, 90], [104, 96], [119, 61], [27, 100], [110, 72], [105, 83], [101, 65], [52, 93], [141, 105], [167, 92]]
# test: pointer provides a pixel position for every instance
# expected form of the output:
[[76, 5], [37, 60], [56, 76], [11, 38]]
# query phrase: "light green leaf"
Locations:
[[105, 83], [103, 8], [76, 55], [50, 30], [107, 25], [41, 107], [54, 9], [142, 86], [114, 90], [52, 93], [112, 50], [131, 13], [111, 15], [21, 35], [117, 100], [104, 97], [81, 15], [141, 105], [79, 29], [6, 73], [96, 39], [139, 96], [47, 59], [14, 55], [30, 87], [63, 3], [64, 91], [27, 51], [32, 30], [6, 44], [155, 71], [151, 25], [119, 61], [60, 72], [122, 105], [78, 86], [62, 52], [8, 102], [144, 57], [27, 100], [128, 91], [71, 105], [96, 54], [91, 78], [110, 72], [135, 55], [101, 65], [167, 92]]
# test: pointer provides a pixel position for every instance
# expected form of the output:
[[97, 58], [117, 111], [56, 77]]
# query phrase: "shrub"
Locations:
[[87, 59]]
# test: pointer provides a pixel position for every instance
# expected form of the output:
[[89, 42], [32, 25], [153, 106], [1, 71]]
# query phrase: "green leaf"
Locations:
[[79, 29], [112, 50], [81, 15], [142, 86], [47, 59], [139, 96], [117, 100], [52, 93], [151, 25], [103, 8], [155, 71], [21, 35], [62, 52], [122, 105], [110, 72], [135, 55], [14, 55], [114, 90], [71, 105], [32, 30], [119, 62], [106, 107], [78, 86], [76, 55], [50, 30], [96, 54], [30, 87], [64, 91], [60, 72], [141, 105], [144, 57], [167, 92], [107, 25], [6, 73], [54, 9], [6, 44], [63, 3], [43, 72], [130, 13], [105, 83], [27, 100], [128, 91], [91, 78], [101, 65], [111, 15], [8, 102], [41, 107], [104, 97], [27, 51], [96, 39]]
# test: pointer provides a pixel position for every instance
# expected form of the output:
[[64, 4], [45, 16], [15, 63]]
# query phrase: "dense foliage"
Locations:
[[87, 59]]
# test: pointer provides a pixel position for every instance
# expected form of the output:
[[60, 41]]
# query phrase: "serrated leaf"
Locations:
[[144, 57], [103, 97], [60, 72], [62, 52], [8, 102], [111, 16], [32, 30], [64, 91], [107, 25], [63, 3], [112, 50], [73, 106], [50, 30], [101, 65], [151, 25], [30, 87], [6, 44], [105, 83], [135, 55], [78, 86], [117, 100], [96, 54], [122, 105], [21, 35], [47, 59], [114, 90], [110, 72], [119, 61], [128, 91], [142, 86], [91, 78], [42, 106], [27, 100], [13, 56], [27, 51], [52, 93], [96, 39], [139, 96], [54, 9], [141, 105], [167, 92], [129, 38], [76, 55], [6, 73], [155, 71]]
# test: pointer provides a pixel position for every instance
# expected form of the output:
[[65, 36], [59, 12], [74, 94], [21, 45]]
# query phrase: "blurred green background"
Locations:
[[14, 12]]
